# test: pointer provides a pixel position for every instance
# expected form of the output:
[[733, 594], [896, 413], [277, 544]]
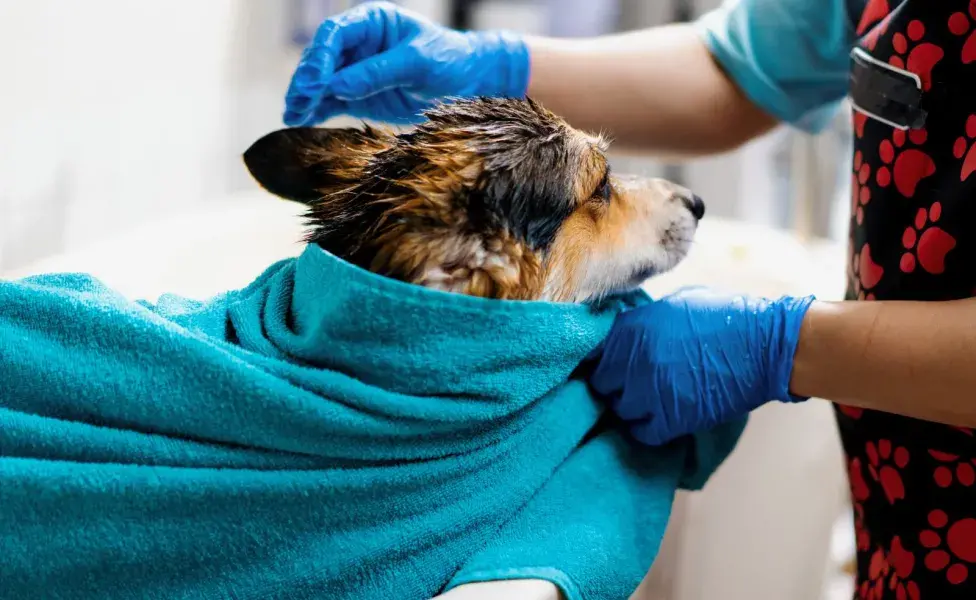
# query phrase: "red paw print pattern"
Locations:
[[906, 166], [953, 546], [860, 120], [884, 465], [866, 275], [859, 488], [874, 22], [965, 146], [925, 244], [902, 563], [960, 24], [862, 535], [878, 568], [914, 55], [954, 470], [965, 430], [860, 192]]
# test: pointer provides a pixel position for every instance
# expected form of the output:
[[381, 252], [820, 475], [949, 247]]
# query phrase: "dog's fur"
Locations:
[[496, 198]]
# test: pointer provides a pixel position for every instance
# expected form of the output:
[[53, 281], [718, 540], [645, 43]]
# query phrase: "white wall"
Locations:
[[114, 112]]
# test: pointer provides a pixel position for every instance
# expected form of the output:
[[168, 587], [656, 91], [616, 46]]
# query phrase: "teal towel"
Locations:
[[323, 433]]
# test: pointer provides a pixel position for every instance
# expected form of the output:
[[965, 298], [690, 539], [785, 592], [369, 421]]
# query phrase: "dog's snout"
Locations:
[[695, 205]]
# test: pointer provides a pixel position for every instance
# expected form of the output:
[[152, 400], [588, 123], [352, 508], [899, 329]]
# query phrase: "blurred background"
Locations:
[[122, 125], [114, 112]]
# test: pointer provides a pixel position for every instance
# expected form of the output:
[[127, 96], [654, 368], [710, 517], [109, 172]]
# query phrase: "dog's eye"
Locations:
[[603, 189]]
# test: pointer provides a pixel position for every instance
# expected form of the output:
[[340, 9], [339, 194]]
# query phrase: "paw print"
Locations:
[[878, 568], [923, 56], [866, 273], [860, 120], [859, 488], [860, 192], [902, 563], [943, 474], [906, 166], [949, 546], [926, 244], [880, 459], [851, 411], [963, 149], [959, 24], [874, 22]]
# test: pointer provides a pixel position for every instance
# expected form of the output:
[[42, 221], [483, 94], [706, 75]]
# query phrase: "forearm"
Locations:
[[916, 359], [657, 90]]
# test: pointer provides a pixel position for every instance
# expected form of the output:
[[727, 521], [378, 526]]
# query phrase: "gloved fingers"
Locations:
[[622, 365], [294, 118], [663, 425], [364, 28], [326, 109], [649, 432], [640, 398], [307, 86], [329, 107], [379, 73], [357, 28], [610, 375]]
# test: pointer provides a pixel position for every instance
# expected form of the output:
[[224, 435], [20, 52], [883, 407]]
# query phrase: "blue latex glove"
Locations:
[[696, 359], [378, 61]]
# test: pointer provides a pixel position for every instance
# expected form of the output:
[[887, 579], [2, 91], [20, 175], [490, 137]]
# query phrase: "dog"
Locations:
[[490, 197]]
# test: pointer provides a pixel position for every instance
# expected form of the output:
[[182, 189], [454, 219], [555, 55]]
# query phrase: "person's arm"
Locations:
[[658, 89], [678, 89], [916, 359], [696, 358]]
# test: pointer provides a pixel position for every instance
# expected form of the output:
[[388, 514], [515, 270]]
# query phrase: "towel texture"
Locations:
[[323, 433]]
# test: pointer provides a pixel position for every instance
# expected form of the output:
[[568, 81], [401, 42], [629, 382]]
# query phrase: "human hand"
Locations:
[[378, 61], [696, 359]]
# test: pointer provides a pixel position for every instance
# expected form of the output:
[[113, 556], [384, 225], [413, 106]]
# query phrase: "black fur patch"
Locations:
[[282, 161], [529, 172], [526, 187]]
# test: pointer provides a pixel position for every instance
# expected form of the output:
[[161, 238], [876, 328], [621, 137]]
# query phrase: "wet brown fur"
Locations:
[[427, 206]]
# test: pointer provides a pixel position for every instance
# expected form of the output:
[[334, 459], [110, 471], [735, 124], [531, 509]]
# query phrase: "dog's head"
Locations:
[[496, 198]]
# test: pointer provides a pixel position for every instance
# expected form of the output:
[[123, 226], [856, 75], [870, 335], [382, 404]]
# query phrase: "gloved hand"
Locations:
[[696, 359], [382, 62]]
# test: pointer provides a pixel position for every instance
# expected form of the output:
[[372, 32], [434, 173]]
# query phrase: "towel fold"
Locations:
[[322, 433]]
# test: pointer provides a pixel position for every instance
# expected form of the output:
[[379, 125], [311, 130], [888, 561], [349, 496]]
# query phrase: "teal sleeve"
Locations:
[[790, 57]]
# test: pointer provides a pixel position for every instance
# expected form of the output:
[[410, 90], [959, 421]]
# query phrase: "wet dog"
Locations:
[[497, 198]]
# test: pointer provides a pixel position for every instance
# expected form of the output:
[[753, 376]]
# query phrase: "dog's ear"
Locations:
[[306, 163]]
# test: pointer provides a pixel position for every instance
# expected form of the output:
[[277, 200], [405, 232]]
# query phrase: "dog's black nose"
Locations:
[[695, 205]]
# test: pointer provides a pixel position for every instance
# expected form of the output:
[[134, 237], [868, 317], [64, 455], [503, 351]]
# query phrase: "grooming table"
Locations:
[[761, 529]]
